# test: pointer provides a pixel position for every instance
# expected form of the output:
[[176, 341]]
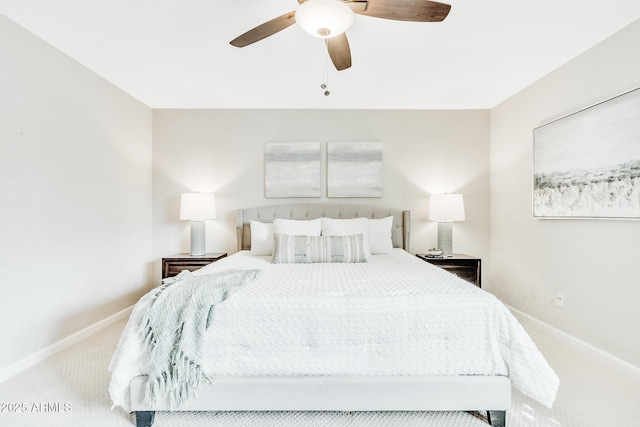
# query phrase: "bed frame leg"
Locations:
[[497, 418], [145, 418]]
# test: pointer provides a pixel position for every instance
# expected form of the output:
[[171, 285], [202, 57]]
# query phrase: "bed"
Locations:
[[390, 334]]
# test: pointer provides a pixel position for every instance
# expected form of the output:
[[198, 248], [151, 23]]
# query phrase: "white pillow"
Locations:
[[348, 227], [261, 238], [380, 235], [311, 227]]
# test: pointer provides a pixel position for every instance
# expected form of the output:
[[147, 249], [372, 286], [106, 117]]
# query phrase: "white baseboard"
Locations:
[[58, 346], [575, 341]]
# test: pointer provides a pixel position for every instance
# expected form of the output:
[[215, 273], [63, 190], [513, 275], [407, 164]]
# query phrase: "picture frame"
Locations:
[[587, 164], [354, 169], [292, 169]]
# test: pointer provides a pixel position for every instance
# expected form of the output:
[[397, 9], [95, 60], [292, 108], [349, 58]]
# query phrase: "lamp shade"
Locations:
[[324, 18], [446, 207], [197, 206]]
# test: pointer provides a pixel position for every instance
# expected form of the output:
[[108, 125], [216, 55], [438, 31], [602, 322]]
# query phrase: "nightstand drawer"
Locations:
[[467, 273], [463, 266], [176, 263], [173, 268]]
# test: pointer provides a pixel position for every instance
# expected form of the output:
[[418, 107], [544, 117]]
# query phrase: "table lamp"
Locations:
[[446, 208], [198, 207]]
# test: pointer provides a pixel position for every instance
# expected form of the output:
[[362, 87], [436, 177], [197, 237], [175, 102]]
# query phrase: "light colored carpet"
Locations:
[[70, 390]]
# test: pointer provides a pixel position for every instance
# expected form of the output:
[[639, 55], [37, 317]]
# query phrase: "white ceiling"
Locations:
[[176, 53]]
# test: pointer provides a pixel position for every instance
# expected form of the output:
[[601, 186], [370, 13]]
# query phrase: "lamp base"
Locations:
[[445, 238], [198, 238]]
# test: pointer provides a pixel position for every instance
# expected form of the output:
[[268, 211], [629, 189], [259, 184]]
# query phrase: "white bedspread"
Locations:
[[394, 315]]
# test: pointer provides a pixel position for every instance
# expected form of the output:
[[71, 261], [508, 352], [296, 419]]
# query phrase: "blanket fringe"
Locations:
[[179, 382]]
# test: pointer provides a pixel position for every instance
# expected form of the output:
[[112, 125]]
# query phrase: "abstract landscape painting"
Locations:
[[354, 169], [292, 169], [587, 165]]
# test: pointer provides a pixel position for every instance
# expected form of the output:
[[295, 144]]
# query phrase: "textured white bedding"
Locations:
[[394, 315]]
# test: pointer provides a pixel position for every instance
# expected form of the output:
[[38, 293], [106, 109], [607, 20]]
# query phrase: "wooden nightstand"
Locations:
[[174, 264], [464, 266]]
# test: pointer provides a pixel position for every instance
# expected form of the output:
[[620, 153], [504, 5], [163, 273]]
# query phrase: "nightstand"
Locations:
[[464, 266], [174, 264]]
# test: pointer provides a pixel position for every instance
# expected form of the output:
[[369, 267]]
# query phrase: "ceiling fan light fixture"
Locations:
[[324, 18]]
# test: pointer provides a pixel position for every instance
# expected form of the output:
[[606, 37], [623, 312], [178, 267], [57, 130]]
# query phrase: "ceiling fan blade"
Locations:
[[339, 51], [358, 6], [407, 10], [265, 30]]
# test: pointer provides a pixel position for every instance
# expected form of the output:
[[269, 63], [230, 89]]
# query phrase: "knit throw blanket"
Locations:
[[173, 328]]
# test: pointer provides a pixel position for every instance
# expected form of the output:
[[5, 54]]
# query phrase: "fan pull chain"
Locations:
[[325, 73]]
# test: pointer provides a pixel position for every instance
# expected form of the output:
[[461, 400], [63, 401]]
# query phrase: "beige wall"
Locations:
[[75, 170], [222, 151], [594, 263]]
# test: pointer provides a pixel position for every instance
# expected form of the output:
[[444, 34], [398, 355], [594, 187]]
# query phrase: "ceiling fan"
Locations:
[[329, 19]]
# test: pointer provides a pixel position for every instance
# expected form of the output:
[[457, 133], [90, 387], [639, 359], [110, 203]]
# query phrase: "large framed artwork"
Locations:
[[292, 169], [587, 164], [354, 169]]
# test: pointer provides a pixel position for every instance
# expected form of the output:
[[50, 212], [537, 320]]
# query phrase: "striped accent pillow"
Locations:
[[314, 249]]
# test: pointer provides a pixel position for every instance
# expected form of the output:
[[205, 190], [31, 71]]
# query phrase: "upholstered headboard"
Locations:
[[399, 233]]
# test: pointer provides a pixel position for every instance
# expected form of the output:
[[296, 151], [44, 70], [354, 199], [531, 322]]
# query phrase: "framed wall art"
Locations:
[[587, 164], [292, 169], [354, 169]]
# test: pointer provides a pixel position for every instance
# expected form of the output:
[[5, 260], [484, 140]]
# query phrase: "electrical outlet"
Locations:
[[558, 301]]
